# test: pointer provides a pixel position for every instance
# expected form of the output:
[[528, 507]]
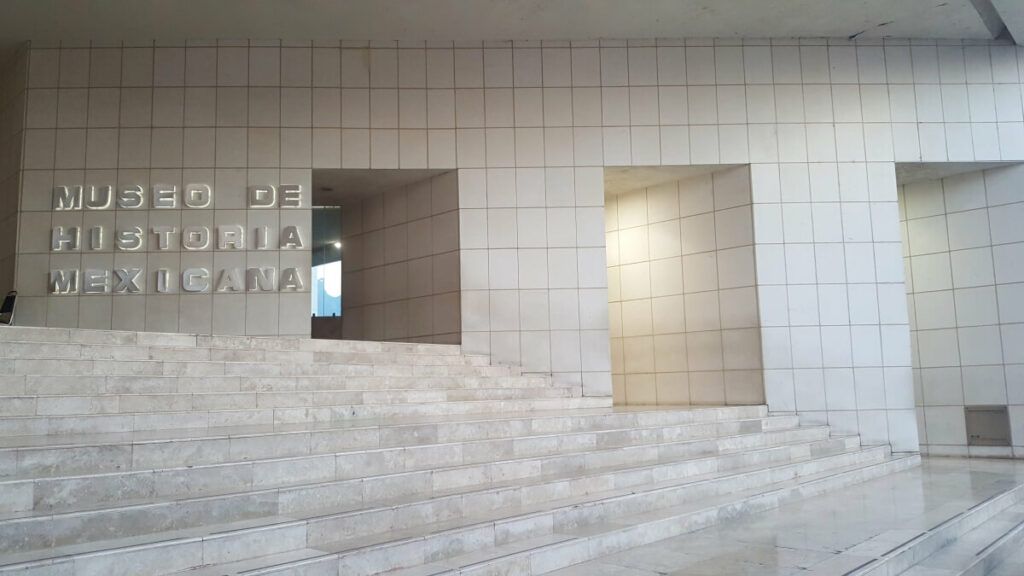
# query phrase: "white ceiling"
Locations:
[[176, 20], [1011, 13]]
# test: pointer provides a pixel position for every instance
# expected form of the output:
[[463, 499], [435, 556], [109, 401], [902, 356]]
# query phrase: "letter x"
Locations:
[[127, 279]]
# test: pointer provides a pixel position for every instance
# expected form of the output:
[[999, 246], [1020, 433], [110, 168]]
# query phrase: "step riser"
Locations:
[[132, 453], [75, 368], [553, 557], [22, 385], [327, 530], [490, 463], [100, 424], [155, 403], [577, 550], [904, 557], [31, 350], [281, 538], [32, 534], [996, 554], [161, 339], [512, 437]]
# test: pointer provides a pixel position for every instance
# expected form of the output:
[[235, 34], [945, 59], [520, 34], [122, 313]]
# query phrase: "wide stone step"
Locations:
[[566, 546], [371, 501], [511, 433], [23, 385], [163, 339], [80, 367], [486, 463], [201, 419], [352, 546], [70, 405], [981, 550], [73, 351], [899, 551]]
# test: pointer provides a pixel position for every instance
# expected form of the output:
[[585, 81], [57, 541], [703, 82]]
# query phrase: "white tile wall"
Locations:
[[225, 115], [400, 263], [682, 297], [834, 323], [821, 121], [966, 303]]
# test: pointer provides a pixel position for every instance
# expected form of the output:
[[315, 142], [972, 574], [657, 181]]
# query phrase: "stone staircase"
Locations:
[[974, 542], [127, 453]]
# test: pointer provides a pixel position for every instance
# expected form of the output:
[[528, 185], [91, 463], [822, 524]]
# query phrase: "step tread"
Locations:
[[275, 393], [484, 516], [280, 558], [146, 420], [525, 510], [1012, 566], [569, 401], [481, 557], [533, 480], [625, 522], [52, 335], [140, 436], [935, 529], [538, 436], [969, 547]]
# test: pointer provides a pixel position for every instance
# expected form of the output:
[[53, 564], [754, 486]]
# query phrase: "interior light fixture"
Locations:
[[337, 245]]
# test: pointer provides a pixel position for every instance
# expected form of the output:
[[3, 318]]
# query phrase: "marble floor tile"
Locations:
[[829, 534], [1012, 566]]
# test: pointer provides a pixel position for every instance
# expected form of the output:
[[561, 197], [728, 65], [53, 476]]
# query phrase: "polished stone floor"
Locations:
[[1013, 566], [824, 535]]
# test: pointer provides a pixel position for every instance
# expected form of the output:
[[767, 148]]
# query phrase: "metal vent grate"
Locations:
[[987, 425]]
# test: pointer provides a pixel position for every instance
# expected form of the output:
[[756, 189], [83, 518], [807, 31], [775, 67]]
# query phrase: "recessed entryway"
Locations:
[[385, 256], [681, 286]]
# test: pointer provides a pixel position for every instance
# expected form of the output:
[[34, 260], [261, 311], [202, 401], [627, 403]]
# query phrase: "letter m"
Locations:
[[67, 198], [63, 281]]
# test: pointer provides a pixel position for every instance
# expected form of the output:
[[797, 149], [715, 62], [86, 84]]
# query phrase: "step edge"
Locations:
[[472, 489], [284, 525], [936, 538], [539, 414], [286, 459], [850, 470]]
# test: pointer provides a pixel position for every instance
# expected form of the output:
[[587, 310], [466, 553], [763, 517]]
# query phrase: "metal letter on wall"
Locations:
[[130, 239], [163, 236], [130, 197], [291, 280], [291, 195], [230, 236], [261, 279], [195, 237], [67, 198], [63, 281], [121, 219], [290, 238], [230, 280], [62, 239], [95, 281], [100, 197], [262, 196], [127, 280], [195, 280], [165, 197], [198, 196]]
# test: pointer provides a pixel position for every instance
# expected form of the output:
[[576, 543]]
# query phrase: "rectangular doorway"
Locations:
[[386, 255], [683, 314]]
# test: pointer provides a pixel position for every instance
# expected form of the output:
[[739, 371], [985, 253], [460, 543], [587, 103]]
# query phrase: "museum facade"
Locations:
[[666, 221]]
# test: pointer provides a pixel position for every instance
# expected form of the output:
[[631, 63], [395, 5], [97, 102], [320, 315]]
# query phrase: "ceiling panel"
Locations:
[[175, 20]]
